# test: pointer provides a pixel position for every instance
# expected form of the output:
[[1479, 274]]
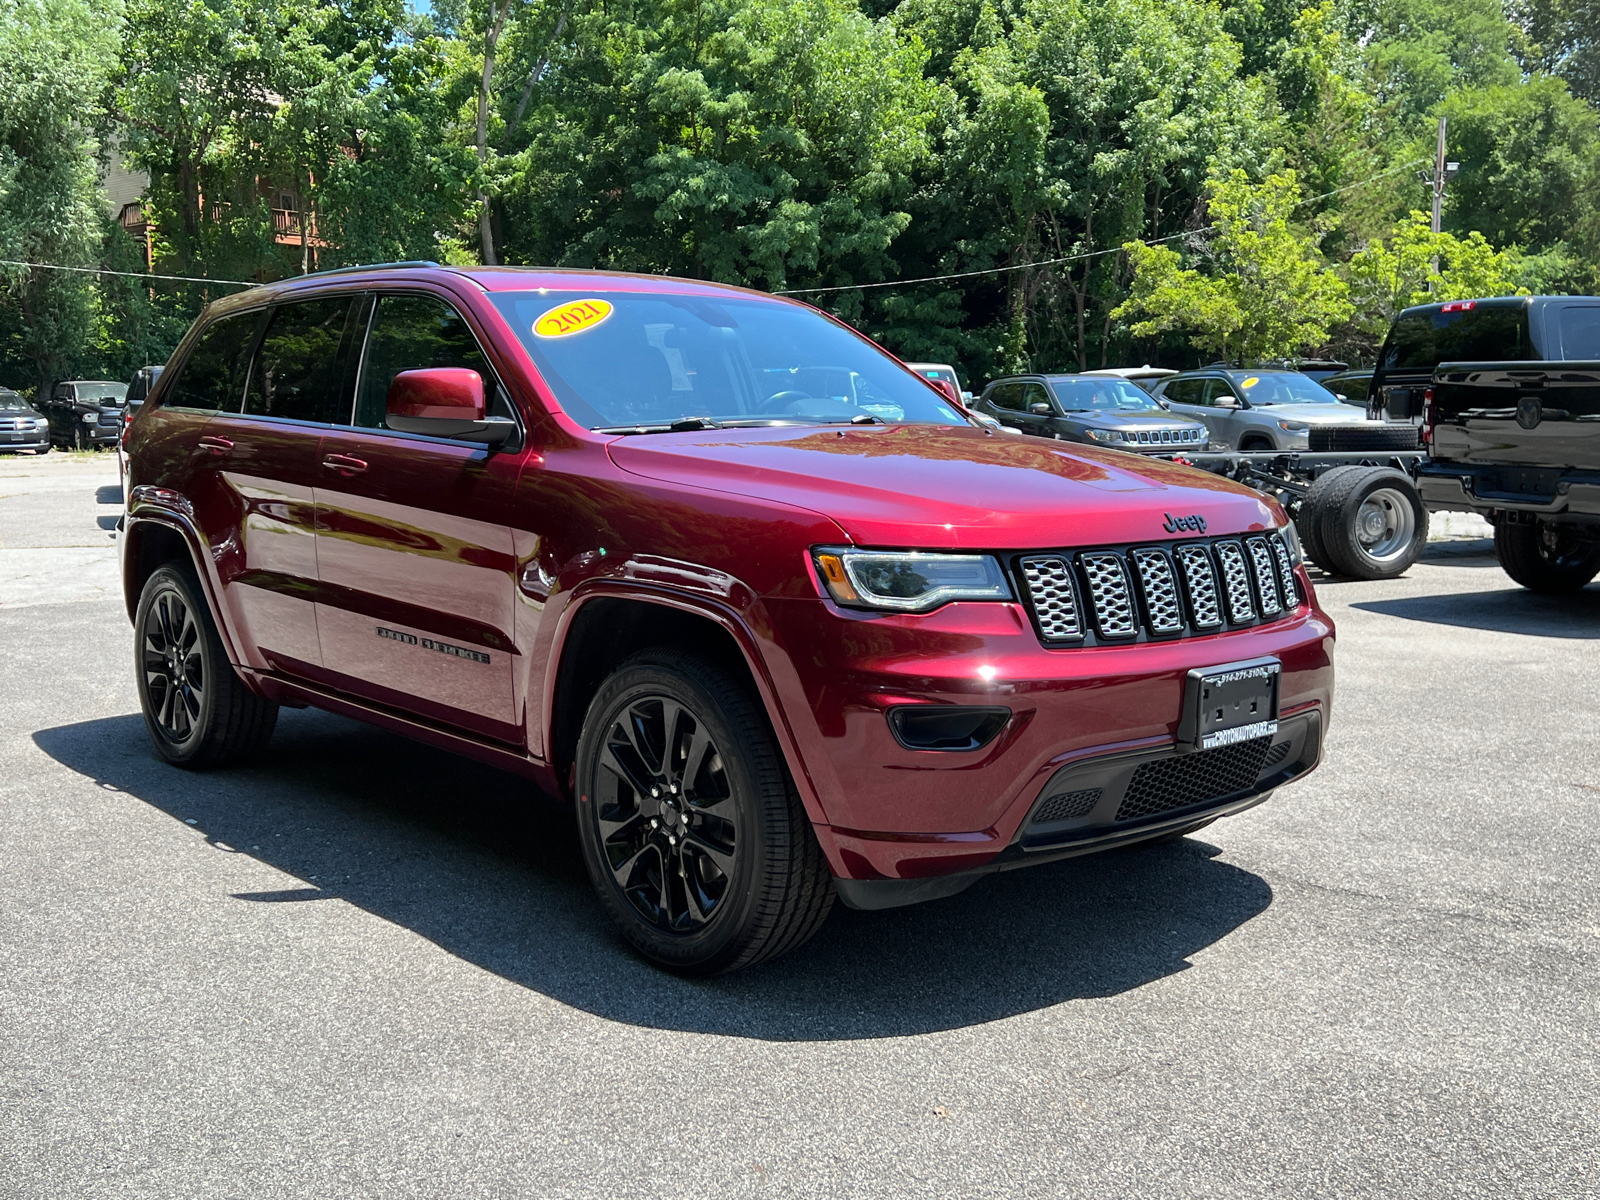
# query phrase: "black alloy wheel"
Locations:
[[695, 840], [197, 710], [174, 669], [668, 822]]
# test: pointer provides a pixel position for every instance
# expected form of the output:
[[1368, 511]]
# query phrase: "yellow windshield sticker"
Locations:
[[575, 316], [1251, 382]]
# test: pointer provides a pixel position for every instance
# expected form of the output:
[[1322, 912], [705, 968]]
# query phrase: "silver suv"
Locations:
[[1255, 409]]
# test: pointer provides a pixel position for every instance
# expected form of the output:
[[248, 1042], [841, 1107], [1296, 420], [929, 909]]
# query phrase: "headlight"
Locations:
[[1105, 435], [41, 423], [1291, 538], [90, 418], [1292, 427], [909, 581]]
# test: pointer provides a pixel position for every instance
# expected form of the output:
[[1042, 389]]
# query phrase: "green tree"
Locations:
[[54, 55], [1530, 171], [1414, 265], [1266, 291]]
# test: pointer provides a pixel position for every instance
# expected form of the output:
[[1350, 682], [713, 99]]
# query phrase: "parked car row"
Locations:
[[78, 414]]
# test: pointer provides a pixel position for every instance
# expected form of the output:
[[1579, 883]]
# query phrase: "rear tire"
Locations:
[[1308, 519], [1373, 523], [196, 708], [1545, 558], [694, 837]]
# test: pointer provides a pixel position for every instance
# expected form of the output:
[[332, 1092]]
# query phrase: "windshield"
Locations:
[[113, 392], [1283, 387], [11, 402], [620, 360], [1102, 395]]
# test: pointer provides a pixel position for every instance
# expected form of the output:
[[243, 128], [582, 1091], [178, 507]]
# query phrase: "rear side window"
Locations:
[[1478, 334], [1008, 396], [1580, 332], [1184, 391], [298, 371], [411, 332], [212, 379]]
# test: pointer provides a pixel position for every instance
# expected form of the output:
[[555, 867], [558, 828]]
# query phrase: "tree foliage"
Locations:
[[1265, 291], [1012, 170]]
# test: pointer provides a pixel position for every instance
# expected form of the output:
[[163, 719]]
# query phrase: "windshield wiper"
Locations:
[[695, 424]]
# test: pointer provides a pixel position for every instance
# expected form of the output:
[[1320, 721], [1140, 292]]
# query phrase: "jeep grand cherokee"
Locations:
[[776, 618]]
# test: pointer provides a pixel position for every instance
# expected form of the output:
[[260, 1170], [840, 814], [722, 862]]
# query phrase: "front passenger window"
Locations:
[[412, 332], [299, 371]]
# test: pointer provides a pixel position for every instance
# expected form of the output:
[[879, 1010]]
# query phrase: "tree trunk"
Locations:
[[491, 41]]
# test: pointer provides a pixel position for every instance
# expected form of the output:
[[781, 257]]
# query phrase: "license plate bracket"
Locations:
[[1230, 703]]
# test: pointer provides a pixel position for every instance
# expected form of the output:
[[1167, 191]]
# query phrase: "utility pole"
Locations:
[[1443, 173]]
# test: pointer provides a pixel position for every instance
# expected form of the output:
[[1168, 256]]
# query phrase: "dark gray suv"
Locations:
[[1096, 409]]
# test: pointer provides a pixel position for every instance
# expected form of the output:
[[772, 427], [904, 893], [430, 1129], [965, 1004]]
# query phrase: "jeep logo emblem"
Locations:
[[1194, 523]]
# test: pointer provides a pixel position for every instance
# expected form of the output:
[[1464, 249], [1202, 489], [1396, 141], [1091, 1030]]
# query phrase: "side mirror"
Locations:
[[1341, 397], [1228, 402], [1041, 409], [948, 388], [443, 402]]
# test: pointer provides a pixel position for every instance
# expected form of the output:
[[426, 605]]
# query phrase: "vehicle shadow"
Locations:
[[480, 864], [1505, 610]]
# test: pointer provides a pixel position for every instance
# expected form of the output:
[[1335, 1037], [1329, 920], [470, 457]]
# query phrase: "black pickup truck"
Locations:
[[1507, 391]]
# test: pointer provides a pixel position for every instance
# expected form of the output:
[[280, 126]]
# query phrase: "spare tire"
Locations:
[[1373, 523], [1374, 435]]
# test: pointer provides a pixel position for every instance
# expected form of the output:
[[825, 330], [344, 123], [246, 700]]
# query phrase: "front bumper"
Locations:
[[1116, 800], [33, 443], [888, 812]]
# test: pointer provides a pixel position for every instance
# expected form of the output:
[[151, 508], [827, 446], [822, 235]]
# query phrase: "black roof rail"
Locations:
[[384, 266]]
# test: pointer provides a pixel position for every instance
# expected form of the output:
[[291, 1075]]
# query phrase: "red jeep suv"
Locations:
[[779, 620]]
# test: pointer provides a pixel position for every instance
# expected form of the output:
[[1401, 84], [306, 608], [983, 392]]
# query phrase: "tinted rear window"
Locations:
[[1480, 334], [298, 371], [213, 377], [1580, 332]]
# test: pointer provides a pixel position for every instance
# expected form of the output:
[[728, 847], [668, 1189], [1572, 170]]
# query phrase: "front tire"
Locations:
[[196, 708], [1544, 558], [694, 838]]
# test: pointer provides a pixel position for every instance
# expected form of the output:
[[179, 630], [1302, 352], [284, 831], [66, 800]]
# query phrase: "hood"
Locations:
[[1314, 414], [937, 488]]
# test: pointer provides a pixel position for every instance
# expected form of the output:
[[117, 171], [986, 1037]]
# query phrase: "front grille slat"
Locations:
[[1110, 597], [1159, 589], [1053, 598], [1266, 576], [1235, 582], [1163, 591], [1280, 554]]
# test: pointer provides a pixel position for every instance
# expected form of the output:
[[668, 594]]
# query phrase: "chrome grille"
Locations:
[[1189, 588], [1235, 582], [1280, 554], [1159, 589], [1110, 600], [1266, 572], [1200, 582], [1055, 603]]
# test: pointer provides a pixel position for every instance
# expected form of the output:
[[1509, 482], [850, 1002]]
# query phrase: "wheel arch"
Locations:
[[603, 628], [151, 540]]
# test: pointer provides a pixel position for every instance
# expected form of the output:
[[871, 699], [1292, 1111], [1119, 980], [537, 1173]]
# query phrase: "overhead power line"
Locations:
[[145, 275], [1050, 262]]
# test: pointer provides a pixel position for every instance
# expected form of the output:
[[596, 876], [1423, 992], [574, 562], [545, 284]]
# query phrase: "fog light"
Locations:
[[956, 727]]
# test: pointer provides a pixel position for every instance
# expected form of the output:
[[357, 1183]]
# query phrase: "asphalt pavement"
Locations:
[[366, 968]]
